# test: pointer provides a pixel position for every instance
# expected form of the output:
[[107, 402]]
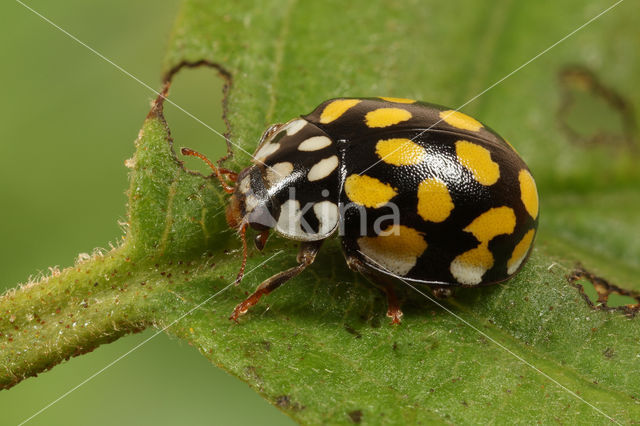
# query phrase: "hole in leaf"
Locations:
[[199, 92], [591, 113], [588, 290], [600, 294], [617, 300]]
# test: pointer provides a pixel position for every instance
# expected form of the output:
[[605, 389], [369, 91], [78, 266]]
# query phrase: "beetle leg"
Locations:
[[393, 307], [383, 282], [306, 256], [231, 175], [243, 236], [441, 292]]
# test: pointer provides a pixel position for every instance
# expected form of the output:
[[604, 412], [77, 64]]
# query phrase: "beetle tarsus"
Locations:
[[243, 307], [393, 311], [395, 316]]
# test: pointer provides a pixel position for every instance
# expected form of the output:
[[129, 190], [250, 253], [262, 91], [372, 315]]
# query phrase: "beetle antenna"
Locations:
[[220, 172], [243, 235]]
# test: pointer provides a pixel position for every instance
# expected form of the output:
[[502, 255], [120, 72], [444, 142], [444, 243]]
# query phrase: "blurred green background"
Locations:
[[70, 116]]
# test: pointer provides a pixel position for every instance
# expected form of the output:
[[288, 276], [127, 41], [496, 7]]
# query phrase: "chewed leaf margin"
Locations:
[[604, 289]]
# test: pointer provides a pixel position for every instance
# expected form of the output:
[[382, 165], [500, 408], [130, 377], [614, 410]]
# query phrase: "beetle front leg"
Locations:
[[306, 256]]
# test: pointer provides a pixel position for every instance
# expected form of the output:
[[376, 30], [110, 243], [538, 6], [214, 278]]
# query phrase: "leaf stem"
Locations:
[[69, 313]]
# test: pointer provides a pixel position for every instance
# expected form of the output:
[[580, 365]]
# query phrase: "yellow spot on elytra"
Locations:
[[519, 252], [398, 100], [336, 108], [478, 161], [384, 117], [493, 222], [469, 267], [460, 120], [479, 260], [368, 191], [434, 200], [396, 248], [528, 192], [400, 152]]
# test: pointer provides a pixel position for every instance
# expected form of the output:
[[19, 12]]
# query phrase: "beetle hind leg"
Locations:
[[306, 256], [441, 292], [393, 307], [383, 282]]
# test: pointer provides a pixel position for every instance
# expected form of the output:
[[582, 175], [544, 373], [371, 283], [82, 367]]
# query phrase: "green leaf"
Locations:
[[532, 349]]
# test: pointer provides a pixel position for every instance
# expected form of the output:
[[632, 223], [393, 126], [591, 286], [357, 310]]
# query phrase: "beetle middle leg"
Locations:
[[441, 292], [383, 282], [306, 256]]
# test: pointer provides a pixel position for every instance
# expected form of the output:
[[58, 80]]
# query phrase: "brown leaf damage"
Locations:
[[602, 295], [592, 113], [157, 106]]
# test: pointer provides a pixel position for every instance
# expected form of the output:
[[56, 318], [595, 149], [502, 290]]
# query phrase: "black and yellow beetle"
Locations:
[[418, 192]]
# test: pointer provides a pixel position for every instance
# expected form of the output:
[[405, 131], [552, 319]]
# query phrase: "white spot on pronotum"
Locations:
[[266, 151], [327, 214], [295, 126], [323, 168], [289, 220], [250, 202], [278, 171], [245, 185], [314, 143]]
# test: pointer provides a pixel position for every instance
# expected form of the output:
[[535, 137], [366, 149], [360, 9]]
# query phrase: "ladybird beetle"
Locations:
[[417, 192]]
